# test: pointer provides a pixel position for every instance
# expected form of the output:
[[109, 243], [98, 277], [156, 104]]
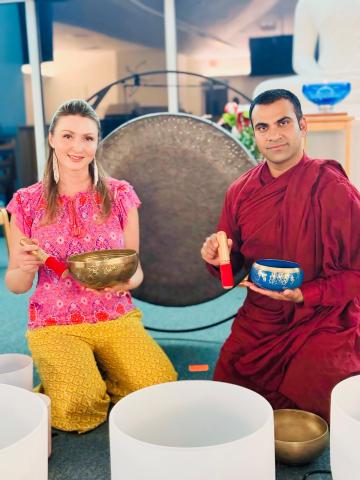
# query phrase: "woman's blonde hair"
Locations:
[[83, 109]]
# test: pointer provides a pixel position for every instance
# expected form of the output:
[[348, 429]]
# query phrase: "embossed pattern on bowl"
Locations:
[[277, 275], [103, 268]]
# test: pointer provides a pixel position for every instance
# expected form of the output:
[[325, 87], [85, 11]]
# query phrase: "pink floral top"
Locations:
[[75, 230]]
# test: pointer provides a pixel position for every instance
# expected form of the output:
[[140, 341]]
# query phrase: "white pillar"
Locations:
[[36, 87], [171, 54]]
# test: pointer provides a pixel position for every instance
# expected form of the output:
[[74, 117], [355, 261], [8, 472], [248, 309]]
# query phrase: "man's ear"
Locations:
[[303, 125]]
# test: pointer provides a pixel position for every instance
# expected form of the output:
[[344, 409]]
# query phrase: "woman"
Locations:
[[89, 346]]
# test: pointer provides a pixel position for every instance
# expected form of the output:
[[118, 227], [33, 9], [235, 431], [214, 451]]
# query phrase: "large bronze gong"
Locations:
[[180, 166]]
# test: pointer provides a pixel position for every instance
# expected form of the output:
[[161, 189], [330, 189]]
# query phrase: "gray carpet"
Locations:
[[86, 457]]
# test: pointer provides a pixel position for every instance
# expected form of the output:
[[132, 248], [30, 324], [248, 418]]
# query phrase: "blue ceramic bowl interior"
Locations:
[[326, 93], [277, 275]]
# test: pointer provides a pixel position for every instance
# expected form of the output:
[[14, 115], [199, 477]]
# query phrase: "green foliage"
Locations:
[[246, 137], [241, 129]]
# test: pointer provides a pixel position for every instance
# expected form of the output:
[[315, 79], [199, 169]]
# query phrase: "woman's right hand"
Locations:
[[210, 250], [25, 260], [23, 265]]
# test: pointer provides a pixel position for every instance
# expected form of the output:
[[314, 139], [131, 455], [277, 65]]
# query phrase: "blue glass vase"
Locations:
[[326, 95]]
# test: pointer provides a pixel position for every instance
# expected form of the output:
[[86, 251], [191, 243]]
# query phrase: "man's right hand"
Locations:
[[210, 250]]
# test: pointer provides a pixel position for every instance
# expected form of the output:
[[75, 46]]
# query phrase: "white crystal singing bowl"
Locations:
[[345, 429], [23, 435], [16, 369], [192, 430]]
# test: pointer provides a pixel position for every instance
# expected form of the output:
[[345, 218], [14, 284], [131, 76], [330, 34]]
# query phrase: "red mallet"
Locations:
[[227, 278], [60, 268]]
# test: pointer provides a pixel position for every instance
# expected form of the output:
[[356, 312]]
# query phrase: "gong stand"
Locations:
[[135, 81]]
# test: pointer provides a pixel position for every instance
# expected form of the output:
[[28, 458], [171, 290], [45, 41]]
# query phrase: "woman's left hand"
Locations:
[[287, 295], [122, 288], [119, 289]]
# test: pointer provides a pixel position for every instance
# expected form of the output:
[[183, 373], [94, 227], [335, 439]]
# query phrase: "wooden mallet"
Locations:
[[227, 278]]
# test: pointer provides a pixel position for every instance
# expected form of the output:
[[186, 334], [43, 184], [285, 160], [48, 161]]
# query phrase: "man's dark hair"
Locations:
[[271, 96]]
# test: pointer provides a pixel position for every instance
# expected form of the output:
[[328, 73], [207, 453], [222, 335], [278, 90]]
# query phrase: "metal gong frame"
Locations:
[[180, 166], [134, 80]]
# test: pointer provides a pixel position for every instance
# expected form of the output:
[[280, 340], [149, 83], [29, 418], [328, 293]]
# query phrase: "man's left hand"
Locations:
[[287, 295]]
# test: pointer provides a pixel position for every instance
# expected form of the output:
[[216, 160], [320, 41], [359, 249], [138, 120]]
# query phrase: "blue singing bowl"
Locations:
[[276, 275]]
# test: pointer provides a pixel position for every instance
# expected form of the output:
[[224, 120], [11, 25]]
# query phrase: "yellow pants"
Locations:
[[85, 367]]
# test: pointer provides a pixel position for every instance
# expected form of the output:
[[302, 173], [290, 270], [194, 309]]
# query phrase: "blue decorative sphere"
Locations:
[[276, 275], [326, 94]]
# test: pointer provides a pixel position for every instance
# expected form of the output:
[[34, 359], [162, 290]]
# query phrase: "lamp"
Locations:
[[194, 430], [345, 429], [48, 69], [23, 435]]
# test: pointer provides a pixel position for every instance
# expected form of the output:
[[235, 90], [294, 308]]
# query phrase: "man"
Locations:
[[292, 346]]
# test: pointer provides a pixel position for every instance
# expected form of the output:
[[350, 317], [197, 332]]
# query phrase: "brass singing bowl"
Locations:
[[103, 268], [300, 436]]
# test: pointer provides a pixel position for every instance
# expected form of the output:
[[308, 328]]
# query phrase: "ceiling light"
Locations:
[[47, 69]]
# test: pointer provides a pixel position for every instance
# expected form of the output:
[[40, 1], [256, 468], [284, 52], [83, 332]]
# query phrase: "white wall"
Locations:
[[140, 59], [191, 99], [77, 74], [86, 61]]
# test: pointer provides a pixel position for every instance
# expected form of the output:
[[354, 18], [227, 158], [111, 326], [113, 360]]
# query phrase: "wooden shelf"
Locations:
[[320, 122]]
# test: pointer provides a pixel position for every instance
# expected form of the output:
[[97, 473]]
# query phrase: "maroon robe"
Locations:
[[294, 354]]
